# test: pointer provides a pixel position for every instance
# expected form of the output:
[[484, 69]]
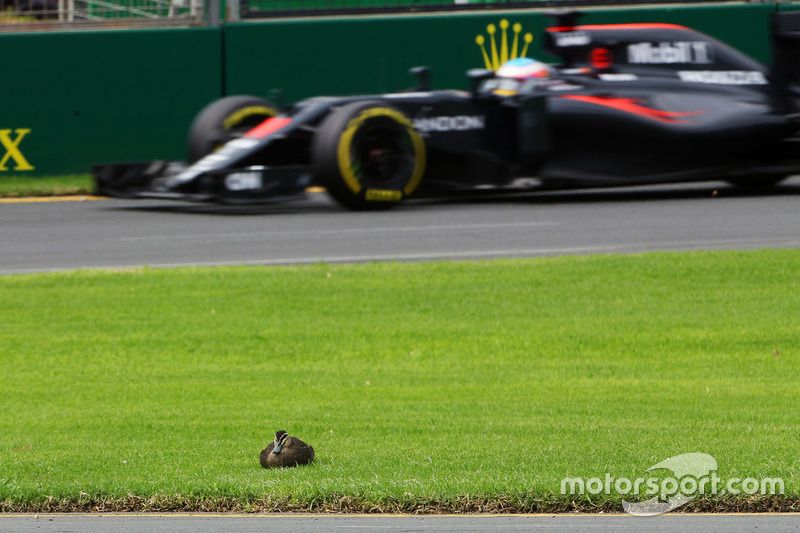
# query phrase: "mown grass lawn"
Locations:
[[414, 382], [21, 186]]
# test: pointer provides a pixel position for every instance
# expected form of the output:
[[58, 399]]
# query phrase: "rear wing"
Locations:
[[642, 48]]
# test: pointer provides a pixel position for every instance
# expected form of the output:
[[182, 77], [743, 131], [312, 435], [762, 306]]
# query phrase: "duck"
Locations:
[[286, 451]]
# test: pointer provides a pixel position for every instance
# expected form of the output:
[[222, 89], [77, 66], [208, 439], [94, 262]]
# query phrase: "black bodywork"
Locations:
[[629, 104]]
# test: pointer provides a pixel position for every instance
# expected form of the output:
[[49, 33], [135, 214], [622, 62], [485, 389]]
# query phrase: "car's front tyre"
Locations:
[[368, 155]]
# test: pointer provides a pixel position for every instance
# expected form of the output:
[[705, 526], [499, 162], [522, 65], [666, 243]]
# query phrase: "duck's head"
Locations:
[[281, 438]]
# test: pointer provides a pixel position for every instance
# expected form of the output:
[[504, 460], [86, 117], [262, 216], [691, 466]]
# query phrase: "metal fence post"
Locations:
[[234, 10], [212, 13]]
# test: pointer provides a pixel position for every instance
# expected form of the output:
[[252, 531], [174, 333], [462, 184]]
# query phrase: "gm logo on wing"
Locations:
[[10, 140]]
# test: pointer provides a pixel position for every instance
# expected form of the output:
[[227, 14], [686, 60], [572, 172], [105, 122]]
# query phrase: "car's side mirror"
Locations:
[[423, 75], [476, 76]]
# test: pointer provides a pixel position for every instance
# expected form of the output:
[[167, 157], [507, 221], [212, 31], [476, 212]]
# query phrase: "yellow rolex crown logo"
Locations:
[[495, 58]]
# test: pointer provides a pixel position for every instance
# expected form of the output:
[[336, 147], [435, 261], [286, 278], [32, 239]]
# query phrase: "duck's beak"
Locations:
[[278, 447]]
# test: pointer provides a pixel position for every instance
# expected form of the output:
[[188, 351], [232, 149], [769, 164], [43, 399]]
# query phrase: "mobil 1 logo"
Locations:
[[670, 53]]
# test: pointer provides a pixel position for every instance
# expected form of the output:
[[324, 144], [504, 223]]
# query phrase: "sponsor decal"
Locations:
[[724, 77], [243, 180], [576, 71], [457, 123], [496, 55], [687, 52], [13, 151], [407, 95], [601, 58], [382, 195], [618, 77], [564, 87], [571, 38]]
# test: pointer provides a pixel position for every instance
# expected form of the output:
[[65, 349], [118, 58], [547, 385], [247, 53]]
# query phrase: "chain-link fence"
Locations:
[[23, 15], [53, 14], [294, 8]]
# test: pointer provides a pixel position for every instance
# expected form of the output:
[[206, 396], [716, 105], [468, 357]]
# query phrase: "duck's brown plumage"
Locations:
[[294, 452]]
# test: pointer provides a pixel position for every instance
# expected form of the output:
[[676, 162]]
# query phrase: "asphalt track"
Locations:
[[180, 523], [111, 233]]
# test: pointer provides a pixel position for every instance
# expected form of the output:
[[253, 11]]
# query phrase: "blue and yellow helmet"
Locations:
[[523, 68]]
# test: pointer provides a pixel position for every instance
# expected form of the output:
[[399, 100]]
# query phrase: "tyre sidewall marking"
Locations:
[[419, 160], [235, 118], [346, 139]]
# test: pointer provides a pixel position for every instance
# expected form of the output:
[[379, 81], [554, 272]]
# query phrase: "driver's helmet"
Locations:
[[523, 68]]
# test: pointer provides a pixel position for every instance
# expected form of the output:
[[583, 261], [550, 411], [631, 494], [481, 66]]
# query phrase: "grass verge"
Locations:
[[21, 186], [464, 386]]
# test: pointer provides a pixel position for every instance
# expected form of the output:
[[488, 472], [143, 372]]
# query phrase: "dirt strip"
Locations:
[[348, 504]]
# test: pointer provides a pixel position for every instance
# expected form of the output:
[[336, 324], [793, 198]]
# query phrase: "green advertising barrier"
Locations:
[[306, 57], [73, 99]]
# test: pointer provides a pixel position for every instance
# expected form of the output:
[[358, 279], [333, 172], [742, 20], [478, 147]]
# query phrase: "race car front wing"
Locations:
[[154, 179]]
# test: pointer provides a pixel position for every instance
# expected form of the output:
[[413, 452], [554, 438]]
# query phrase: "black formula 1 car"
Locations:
[[629, 104]]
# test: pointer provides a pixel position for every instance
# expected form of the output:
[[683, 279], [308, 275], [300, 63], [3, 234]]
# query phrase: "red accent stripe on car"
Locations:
[[271, 125], [646, 26], [631, 105]]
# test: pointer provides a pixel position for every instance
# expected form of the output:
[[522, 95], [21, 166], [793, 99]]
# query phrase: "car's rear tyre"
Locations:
[[757, 182], [368, 155], [224, 120]]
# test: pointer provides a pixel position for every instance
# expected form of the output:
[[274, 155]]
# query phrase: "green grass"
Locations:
[[22, 186], [418, 384]]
